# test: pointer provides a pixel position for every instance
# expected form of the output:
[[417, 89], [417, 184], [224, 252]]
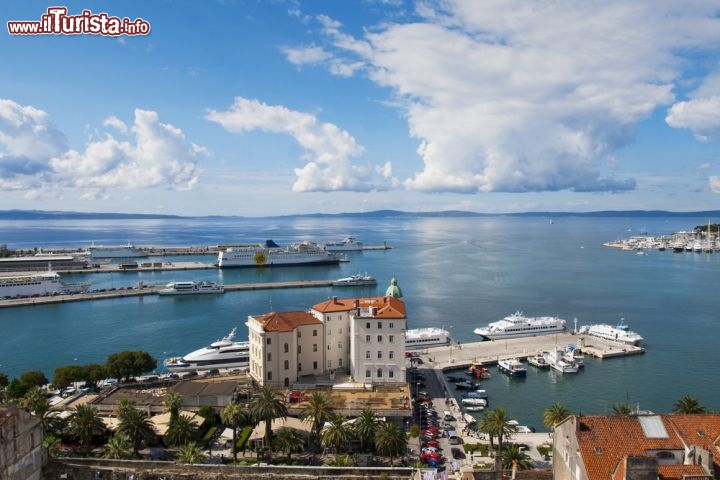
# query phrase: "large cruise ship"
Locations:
[[426, 337], [271, 254], [117, 251], [619, 333], [221, 354], [518, 325], [38, 284]]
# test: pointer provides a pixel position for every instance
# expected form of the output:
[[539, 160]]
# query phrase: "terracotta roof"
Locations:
[[387, 307], [678, 472], [605, 441], [285, 321]]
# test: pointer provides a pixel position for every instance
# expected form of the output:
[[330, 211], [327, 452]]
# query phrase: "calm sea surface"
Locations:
[[459, 273]]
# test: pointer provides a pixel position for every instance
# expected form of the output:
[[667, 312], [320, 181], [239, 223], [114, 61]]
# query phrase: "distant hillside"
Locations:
[[59, 215]]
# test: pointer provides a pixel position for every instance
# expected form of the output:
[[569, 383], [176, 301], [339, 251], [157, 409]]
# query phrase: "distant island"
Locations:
[[62, 215]]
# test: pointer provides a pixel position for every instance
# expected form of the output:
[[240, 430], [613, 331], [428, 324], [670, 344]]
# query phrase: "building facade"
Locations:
[[22, 455]]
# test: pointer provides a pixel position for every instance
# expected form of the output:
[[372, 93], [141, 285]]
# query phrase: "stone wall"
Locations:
[[21, 450]]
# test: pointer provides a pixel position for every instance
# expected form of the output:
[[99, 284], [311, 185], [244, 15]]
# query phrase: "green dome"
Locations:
[[393, 290]]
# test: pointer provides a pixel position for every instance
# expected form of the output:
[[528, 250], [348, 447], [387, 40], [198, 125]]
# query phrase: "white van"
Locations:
[[453, 438], [447, 416]]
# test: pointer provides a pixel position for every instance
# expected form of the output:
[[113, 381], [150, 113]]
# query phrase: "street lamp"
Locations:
[[451, 343]]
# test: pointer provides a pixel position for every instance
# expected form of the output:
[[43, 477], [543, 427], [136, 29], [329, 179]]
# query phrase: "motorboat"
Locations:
[[557, 361], [512, 367], [538, 361]]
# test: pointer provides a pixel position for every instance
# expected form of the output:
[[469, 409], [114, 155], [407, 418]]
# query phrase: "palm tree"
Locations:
[[232, 416], [336, 434], [209, 414], [118, 448], [365, 427], [516, 459], [486, 425], [36, 402], [498, 425], [135, 425], [623, 408], [85, 423], [181, 431], [318, 409], [689, 404], [554, 414], [190, 453], [266, 405], [289, 440], [173, 402], [390, 440]]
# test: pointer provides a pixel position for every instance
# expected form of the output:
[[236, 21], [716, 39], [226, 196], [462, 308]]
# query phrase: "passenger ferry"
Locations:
[[191, 288], [118, 251], [38, 284], [518, 325], [619, 333], [348, 244], [355, 281], [426, 337], [272, 255], [221, 354]]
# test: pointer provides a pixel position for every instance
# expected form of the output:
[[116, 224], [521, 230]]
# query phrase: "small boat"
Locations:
[[476, 371], [556, 359], [538, 361], [466, 385], [355, 281], [191, 288], [474, 401], [512, 367], [474, 408], [476, 394]]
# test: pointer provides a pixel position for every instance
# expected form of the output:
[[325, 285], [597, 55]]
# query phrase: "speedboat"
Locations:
[[221, 354], [518, 325]]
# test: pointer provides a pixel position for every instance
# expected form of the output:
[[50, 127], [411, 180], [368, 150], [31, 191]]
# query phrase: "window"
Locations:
[[299, 349], [328, 318], [391, 354], [314, 333], [391, 374], [269, 375], [269, 357], [314, 347], [379, 355], [379, 338], [340, 330], [286, 348], [329, 364], [391, 338], [367, 338], [314, 365], [339, 345], [268, 340], [299, 333], [379, 373], [367, 354], [287, 365], [367, 325], [299, 367], [329, 331], [379, 325], [367, 373], [339, 362], [328, 346], [339, 317], [392, 325]]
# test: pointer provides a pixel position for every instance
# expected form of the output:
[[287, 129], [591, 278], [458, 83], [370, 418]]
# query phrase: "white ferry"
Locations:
[[117, 251], [271, 254], [191, 288], [355, 281], [221, 354], [518, 325], [619, 333], [38, 284], [426, 337], [348, 244]]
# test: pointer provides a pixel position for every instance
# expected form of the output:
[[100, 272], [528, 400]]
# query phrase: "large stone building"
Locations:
[[359, 337], [637, 447], [22, 455]]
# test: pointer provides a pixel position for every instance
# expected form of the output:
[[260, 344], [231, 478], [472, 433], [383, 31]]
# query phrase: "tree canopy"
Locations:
[[130, 363]]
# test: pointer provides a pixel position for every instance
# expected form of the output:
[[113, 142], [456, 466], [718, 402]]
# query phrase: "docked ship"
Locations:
[[348, 244], [38, 284], [191, 288], [272, 255], [512, 367], [221, 354], [426, 337], [518, 325], [560, 362], [355, 281], [619, 333], [118, 251]]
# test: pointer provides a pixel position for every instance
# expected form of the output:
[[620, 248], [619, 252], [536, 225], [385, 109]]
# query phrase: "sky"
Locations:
[[279, 107]]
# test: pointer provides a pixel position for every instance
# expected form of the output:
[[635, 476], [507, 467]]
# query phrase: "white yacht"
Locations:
[[426, 337], [191, 288], [355, 281], [518, 325], [221, 354], [619, 333], [38, 284], [558, 361], [271, 254], [348, 244], [115, 251]]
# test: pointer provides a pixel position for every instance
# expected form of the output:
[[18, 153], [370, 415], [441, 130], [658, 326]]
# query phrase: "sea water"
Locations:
[[456, 273]]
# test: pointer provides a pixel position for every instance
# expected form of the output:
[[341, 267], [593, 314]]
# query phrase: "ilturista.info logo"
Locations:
[[56, 21]]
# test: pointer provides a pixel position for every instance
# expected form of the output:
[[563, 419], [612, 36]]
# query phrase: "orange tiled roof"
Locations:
[[605, 440], [285, 321], [678, 472], [387, 307]]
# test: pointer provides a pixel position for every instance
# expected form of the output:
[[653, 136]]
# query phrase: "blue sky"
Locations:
[[284, 107]]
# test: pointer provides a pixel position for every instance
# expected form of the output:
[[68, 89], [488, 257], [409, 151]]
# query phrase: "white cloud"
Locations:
[[329, 149], [305, 55], [714, 183], [37, 156], [701, 114], [527, 96]]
